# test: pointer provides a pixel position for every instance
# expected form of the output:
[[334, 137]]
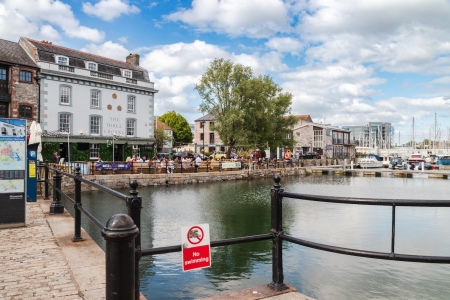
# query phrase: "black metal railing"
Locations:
[[123, 241]]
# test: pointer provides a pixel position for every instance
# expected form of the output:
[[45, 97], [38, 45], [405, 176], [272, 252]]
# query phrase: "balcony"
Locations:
[[102, 75], [133, 81], [66, 68]]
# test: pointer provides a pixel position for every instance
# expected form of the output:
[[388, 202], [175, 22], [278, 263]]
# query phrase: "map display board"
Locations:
[[13, 145]]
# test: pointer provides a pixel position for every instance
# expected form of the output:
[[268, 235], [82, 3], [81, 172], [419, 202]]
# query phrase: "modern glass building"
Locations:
[[373, 134]]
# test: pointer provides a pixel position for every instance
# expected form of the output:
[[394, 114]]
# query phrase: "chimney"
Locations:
[[133, 59]]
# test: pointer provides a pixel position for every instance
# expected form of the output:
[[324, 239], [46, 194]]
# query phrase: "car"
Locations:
[[259, 154], [218, 155], [309, 155], [183, 154], [396, 163], [418, 166]]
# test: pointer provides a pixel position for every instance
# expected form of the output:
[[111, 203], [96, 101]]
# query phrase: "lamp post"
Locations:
[[114, 136], [203, 125]]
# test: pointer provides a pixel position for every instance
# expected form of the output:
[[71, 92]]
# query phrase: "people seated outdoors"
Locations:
[[128, 159], [170, 166]]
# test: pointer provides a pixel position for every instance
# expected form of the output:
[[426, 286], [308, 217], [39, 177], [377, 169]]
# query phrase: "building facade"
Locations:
[[168, 132], [205, 138], [327, 141], [372, 135], [19, 84], [94, 99]]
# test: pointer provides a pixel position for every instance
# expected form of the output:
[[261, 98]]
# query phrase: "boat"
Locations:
[[416, 158], [370, 161], [444, 160]]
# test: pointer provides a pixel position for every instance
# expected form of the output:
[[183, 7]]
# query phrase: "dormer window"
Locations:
[[127, 73], [62, 60], [91, 66]]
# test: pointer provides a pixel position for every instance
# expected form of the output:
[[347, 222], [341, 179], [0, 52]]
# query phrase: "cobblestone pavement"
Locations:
[[32, 264], [40, 261]]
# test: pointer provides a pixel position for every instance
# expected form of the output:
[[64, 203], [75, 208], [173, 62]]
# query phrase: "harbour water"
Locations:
[[239, 208]]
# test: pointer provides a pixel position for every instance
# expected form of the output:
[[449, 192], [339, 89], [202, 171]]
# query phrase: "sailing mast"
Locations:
[[414, 141]]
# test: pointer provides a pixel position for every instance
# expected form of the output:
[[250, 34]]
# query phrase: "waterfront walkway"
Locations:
[[40, 261]]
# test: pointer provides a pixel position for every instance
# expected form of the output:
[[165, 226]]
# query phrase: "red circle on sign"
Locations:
[[192, 239]]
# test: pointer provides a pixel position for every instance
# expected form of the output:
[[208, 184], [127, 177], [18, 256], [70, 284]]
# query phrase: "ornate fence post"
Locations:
[[134, 205], [77, 237], [119, 235], [57, 206], [277, 230], [46, 181]]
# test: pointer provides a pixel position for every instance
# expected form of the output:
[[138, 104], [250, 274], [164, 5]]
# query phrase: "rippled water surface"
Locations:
[[239, 208]]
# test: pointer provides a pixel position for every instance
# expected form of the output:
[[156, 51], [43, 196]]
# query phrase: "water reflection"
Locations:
[[239, 208]]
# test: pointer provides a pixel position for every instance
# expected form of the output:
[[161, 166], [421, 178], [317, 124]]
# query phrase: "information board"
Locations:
[[13, 145]]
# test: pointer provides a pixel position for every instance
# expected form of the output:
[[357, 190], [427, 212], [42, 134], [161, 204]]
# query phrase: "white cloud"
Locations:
[[396, 36], [39, 18], [49, 33], [285, 44], [253, 18], [109, 10]]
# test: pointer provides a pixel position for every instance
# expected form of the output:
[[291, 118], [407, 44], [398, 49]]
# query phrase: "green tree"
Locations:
[[249, 111], [161, 138], [182, 133]]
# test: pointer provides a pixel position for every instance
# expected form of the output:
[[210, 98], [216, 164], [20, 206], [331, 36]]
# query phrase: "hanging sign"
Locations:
[[196, 250]]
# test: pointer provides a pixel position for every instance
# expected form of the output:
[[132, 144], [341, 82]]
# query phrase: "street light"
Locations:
[[114, 136], [203, 125]]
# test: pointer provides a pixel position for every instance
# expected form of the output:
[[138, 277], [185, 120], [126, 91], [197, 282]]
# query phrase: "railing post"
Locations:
[[46, 181], [277, 230], [56, 207], [134, 205], [77, 237], [119, 235]]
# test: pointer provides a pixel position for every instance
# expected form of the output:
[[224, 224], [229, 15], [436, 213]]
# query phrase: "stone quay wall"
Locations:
[[121, 181]]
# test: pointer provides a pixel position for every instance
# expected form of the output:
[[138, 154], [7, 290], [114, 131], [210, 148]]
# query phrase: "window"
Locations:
[[25, 76], [211, 138], [94, 151], [131, 104], [2, 74], [4, 110], [95, 99], [25, 112], [92, 66], [201, 137], [62, 60], [64, 122], [64, 94], [95, 124], [211, 125], [127, 73], [131, 127], [318, 138]]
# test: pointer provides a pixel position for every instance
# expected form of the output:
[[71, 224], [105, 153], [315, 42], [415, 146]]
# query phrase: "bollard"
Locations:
[[77, 237], [134, 205], [277, 243], [57, 206], [119, 235]]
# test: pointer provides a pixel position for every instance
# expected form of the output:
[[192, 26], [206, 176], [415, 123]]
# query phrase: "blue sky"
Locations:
[[345, 62]]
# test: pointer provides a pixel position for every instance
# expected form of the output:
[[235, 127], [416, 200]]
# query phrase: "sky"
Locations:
[[346, 62]]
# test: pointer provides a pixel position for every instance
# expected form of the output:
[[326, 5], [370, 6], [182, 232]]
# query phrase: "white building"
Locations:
[[94, 98]]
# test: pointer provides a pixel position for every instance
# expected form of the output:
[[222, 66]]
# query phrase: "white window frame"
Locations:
[[94, 151], [95, 129], [62, 60], [90, 65], [63, 125], [131, 104], [127, 73], [318, 138], [129, 128], [65, 94], [96, 96]]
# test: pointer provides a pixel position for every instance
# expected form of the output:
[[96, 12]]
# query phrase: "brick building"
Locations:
[[19, 83]]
